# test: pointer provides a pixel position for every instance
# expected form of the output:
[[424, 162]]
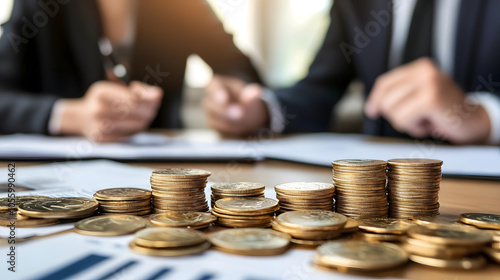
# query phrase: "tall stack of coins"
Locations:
[[245, 212], [384, 229], [189, 219], [305, 196], [251, 241], [359, 255], [179, 189], [311, 227], [131, 201], [413, 187], [360, 188], [59, 208], [236, 190], [447, 246], [169, 242]]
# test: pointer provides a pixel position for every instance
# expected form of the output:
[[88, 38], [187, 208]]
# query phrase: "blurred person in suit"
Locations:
[[430, 68], [106, 69]]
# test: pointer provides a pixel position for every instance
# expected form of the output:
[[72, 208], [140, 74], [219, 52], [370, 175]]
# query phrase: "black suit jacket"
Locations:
[[310, 102], [41, 61]]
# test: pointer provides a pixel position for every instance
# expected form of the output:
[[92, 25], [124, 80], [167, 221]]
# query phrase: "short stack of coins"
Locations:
[[169, 242], [311, 227], [245, 212], [179, 189], [130, 201], [447, 246], [305, 196], [236, 190], [360, 188], [413, 187]]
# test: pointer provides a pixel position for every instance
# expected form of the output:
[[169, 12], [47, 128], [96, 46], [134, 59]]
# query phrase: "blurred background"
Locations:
[[280, 36]]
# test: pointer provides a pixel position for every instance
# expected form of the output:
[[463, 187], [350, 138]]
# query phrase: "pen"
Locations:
[[111, 64]]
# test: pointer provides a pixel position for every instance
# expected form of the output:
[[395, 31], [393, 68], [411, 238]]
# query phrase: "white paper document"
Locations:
[[318, 149]]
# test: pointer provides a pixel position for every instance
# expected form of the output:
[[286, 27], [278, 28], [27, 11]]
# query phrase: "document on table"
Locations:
[[318, 149]]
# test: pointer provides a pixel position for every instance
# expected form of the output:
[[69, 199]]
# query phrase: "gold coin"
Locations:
[[111, 225], [385, 225], [182, 219], [229, 216], [181, 173], [246, 205], [304, 188], [237, 188], [480, 220], [313, 219], [307, 234], [62, 207], [411, 162], [426, 249], [168, 237], [359, 254], [135, 213], [122, 194], [170, 252], [305, 242], [124, 203], [378, 237], [352, 225], [471, 262], [493, 254], [6, 220], [256, 241], [450, 235], [359, 163], [7, 203]]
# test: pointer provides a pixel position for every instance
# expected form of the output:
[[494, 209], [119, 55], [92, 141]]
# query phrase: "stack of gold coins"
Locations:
[[169, 242], [131, 201], [110, 225], [447, 246], [179, 189], [384, 229], [489, 223], [305, 196], [59, 208], [188, 219], [359, 255], [360, 188], [245, 212], [310, 227], [413, 187], [236, 190], [251, 241]]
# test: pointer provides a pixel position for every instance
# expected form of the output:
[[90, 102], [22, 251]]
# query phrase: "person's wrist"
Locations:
[[71, 117]]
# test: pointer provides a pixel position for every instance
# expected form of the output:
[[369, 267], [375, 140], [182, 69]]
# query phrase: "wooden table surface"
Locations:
[[456, 196]]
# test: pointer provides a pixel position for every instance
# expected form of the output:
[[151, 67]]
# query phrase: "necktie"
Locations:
[[419, 42]]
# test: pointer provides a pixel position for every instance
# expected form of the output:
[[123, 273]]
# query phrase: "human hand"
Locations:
[[233, 107], [111, 111], [420, 100]]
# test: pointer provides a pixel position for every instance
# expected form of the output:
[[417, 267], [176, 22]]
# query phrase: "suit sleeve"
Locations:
[[307, 106], [209, 40], [22, 109]]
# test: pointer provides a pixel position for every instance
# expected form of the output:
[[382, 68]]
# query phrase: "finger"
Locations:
[[217, 92], [216, 110], [397, 96], [146, 93], [109, 93], [411, 117], [250, 93]]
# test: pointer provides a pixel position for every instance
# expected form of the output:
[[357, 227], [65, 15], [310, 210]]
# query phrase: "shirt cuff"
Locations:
[[491, 103], [55, 118], [276, 114]]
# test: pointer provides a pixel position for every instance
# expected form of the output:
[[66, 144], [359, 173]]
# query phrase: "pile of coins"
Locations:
[[236, 190], [305, 196], [110, 225], [360, 188], [359, 255], [311, 227], [251, 241], [9, 212], [384, 229], [245, 212], [413, 187], [179, 189], [59, 208], [126, 201], [169, 242], [489, 223], [179, 219], [447, 246]]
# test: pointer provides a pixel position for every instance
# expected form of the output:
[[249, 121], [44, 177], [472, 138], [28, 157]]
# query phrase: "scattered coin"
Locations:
[[7, 203], [110, 225], [385, 225], [450, 235], [436, 219], [170, 252], [251, 241], [439, 251], [480, 220], [188, 219], [311, 225], [157, 237], [61, 208], [471, 262], [360, 255], [6, 220]]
